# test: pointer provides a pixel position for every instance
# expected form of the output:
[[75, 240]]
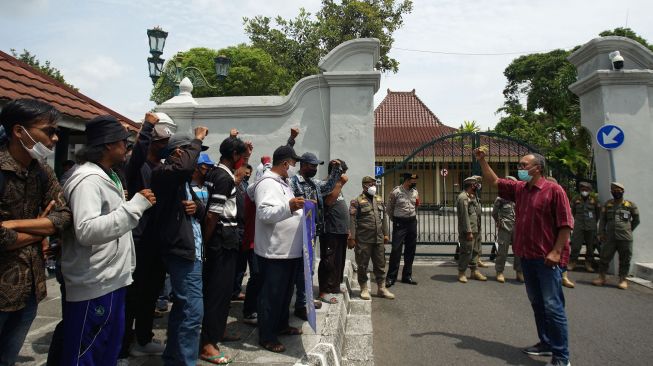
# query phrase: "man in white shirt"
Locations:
[[278, 247]]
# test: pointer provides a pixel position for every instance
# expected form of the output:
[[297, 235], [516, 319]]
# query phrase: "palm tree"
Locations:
[[469, 127]]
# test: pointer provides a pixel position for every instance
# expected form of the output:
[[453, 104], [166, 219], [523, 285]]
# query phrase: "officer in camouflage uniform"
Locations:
[[479, 254], [469, 227], [369, 234], [586, 210], [503, 213], [619, 217]]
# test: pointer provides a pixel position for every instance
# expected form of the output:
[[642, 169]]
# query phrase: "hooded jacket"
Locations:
[[98, 251]]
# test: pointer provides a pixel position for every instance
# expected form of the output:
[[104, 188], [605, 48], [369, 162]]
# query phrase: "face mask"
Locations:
[[38, 151], [311, 173], [292, 171], [371, 190], [617, 195], [584, 193], [523, 175], [413, 186], [246, 178], [478, 187]]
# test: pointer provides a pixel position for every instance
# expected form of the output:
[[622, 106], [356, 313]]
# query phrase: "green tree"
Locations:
[[253, 72], [542, 111], [46, 68], [298, 44], [469, 127]]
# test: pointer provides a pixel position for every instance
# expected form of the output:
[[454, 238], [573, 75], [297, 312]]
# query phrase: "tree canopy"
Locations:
[[253, 72], [542, 111], [45, 67]]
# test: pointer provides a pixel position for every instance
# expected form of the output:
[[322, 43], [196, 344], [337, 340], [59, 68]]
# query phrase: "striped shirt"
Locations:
[[540, 212], [222, 195]]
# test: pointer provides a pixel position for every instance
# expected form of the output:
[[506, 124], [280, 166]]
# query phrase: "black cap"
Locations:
[[409, 175], [105, 130], [283, 153], [310, 158]]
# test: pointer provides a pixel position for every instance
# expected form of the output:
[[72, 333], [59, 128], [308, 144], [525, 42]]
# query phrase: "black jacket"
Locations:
[[138, 175], [171, 226]]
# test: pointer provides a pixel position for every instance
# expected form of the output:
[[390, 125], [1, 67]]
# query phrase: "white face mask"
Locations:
[[38, 151], [371, 190], [292, 171], [584, 193]]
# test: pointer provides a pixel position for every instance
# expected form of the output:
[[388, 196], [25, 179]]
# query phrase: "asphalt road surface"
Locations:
[[443, 322]]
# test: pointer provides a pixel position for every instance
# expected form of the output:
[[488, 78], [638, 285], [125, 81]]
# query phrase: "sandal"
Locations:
[[325, 298], [220, 359], [291, 331], [275, 347]]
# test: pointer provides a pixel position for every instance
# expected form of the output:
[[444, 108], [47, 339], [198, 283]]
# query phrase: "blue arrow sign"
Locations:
[[610, 137], [378, 170]]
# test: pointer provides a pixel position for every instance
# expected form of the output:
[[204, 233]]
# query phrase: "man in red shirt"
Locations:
[[542, 227]]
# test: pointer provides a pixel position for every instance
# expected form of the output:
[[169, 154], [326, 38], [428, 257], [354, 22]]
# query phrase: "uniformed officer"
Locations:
[[468, 209], [619, 217], [586, 210], [369, 234], [479, 254], [503, 213], [402, 210]]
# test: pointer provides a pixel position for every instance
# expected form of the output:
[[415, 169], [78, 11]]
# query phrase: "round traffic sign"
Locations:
[[610, 137], [444, 172]]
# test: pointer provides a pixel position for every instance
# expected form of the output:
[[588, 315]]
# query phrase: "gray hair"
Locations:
[[540, 161]]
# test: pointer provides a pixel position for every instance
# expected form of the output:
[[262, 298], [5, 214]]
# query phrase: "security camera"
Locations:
[[617, 60]]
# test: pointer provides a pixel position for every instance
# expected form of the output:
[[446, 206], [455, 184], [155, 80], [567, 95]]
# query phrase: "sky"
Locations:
[[101, 45]]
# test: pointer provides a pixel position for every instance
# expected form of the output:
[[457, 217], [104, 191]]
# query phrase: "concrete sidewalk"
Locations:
[[327, 347]]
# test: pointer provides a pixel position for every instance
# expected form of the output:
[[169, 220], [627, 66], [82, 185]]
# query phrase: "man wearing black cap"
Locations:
[[305, 185], [98, 256], [179, 236], [150, 272], [402, 208], [278, 237]]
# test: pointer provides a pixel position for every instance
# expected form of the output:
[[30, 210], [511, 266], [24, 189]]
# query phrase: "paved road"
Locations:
[[442, 322]]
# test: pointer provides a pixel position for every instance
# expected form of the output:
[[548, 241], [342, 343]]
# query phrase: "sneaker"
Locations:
[[538, 350], [123, 362], [151, 349], [558, 363], [251, 319]]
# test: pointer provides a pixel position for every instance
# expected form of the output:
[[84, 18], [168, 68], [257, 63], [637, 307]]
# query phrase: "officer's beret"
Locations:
[[510, 177], [409, 176], [585, 184], [618, 185], [368, 179]]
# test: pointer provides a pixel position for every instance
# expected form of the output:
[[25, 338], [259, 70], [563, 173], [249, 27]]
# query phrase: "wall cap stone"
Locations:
[[599, 45], [609, 77], [335, 59]]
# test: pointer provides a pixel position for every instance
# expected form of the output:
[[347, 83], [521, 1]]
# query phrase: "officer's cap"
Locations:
[[587, 185], [409, 175], [510, 177], [478, 178], [368, 179], [618, 185], [471, 179]]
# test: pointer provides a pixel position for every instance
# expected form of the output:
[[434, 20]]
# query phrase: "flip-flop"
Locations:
[[291, 331], [328, 300], [275, 347], [220, 359]]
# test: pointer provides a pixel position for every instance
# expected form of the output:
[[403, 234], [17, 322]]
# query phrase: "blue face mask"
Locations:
[[522, 174]]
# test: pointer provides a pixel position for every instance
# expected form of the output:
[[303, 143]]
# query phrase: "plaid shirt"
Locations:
[[315, 189], [22, 270]]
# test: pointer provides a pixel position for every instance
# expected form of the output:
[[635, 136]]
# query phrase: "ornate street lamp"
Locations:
[[173, 73]]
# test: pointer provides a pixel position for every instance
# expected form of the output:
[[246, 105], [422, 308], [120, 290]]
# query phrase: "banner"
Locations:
[[308, 223]]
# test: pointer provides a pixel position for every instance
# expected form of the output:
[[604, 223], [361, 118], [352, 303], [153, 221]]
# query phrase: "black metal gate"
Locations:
[[442, 164]]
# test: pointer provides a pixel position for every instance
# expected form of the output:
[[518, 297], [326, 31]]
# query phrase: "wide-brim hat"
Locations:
[[105, 130]]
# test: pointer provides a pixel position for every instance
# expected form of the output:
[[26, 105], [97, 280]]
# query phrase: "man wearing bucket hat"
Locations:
[[98, 257], [619, 218]]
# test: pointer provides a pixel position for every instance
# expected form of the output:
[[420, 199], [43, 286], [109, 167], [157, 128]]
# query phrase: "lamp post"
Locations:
[[171, 71]]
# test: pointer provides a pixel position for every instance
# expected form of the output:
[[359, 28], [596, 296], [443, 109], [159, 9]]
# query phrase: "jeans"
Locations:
[[14, 326], [300, 290], [277, 278], [253, 284], [544, 289], [185, 317]]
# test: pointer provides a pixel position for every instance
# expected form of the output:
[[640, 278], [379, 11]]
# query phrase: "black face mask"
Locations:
[[413, 186], [246, 178], [310, 173], [617, 195]]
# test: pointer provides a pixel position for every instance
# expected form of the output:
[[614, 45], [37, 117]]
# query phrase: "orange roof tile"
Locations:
[[19, 80]]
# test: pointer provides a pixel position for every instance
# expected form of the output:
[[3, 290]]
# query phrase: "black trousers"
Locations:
[[332, 262], [218, 273], [140, 300], [253, 284], [277, 281], [404, 233]]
